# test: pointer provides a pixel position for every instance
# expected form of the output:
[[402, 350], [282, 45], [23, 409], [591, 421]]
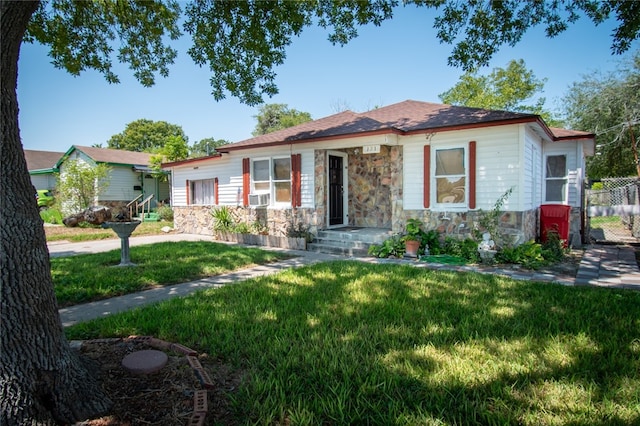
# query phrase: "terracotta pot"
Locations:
[[411, 248]]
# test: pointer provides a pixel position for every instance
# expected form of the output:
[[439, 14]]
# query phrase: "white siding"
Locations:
[[228, 170], [574, 167], [532, 167], [498, 165]]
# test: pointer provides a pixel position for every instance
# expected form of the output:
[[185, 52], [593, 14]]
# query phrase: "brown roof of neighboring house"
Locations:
[[41, 160], [570, 134], [112, 156], [405, 117]]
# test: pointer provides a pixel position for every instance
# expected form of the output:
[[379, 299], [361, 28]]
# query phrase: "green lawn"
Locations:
[[92, 233], [599, 221], [355, 343], [89, 277]]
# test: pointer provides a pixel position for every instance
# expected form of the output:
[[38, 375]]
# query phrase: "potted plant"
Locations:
[[412, 237]]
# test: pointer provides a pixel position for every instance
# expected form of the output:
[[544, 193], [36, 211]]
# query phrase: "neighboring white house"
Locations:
[[42, 167], [130, 176], [439, 163]]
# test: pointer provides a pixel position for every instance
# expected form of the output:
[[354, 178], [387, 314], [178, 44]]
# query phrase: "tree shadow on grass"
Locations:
[[345, 342]]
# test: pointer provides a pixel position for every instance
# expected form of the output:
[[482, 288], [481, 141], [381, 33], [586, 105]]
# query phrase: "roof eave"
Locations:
[[312, 140], [189, 161], [43, 171]]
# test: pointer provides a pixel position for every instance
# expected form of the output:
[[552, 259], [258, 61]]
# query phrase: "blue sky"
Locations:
[[401, 59]]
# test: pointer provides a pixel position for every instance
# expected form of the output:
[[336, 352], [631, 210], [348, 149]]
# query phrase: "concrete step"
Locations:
[[366, 235], [343, 251], [342, 243], [150, 217], [348, 241]]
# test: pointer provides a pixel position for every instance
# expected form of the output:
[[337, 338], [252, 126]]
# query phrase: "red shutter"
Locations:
[[246, 181], [188, 191], [472, 174], [296, 184], [427, 176], [215, 191]]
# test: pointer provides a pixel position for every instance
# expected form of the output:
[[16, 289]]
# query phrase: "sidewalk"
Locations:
[[79, 313], [605, 266], [66, 248]]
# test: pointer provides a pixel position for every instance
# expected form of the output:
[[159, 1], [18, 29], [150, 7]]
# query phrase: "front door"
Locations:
[[336, 190]]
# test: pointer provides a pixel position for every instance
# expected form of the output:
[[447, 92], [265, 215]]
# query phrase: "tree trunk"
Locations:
[[42, 380]]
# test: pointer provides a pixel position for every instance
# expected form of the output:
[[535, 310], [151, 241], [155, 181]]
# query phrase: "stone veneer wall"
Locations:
[[575, 224], [320, 193], [521, 226], [375, 187], [199, 220], [375, 181]]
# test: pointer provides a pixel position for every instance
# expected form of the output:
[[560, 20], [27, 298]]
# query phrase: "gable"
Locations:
[[113, 157]]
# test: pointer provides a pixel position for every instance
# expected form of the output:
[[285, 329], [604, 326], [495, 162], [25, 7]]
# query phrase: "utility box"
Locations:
[[555, 217]]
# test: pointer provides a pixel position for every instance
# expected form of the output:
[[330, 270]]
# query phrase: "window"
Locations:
[[556, 178], [450, 176], [272, 176], [202, 191]]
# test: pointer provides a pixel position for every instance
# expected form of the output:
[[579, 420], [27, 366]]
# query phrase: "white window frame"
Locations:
[[435, 176], [272, 181], [198, 194], [564, 179]]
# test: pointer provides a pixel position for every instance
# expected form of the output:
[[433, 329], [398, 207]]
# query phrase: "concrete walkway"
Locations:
[[609, 266], [606, 266]]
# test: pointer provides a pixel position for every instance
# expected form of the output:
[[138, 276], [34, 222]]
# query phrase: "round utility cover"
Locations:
[[145, 362]]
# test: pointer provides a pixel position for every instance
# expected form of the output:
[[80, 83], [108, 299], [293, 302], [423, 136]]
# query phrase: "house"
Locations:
[[130, 177], [42, 167], [441, 164]]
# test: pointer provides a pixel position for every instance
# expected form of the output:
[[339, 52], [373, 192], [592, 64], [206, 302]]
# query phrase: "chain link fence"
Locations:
[[613, 211]]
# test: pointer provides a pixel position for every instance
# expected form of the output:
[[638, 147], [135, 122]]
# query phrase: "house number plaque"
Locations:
[[371, 149]]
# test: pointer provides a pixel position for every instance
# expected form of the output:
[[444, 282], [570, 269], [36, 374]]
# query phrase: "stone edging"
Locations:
[[200, 397]]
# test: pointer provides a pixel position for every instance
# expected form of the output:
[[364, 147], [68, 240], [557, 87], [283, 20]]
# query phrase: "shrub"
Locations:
[[165, 213], [431, 239], [52, 216], [393, 246], [299, 230], [553, 248], [259, 228], [223, 219], [489, 221], [466, 249], [528, 254], [241, 228]]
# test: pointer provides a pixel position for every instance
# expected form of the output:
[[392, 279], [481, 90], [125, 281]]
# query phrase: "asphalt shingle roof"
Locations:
[[114, 156], [41, 160], [401, 118]]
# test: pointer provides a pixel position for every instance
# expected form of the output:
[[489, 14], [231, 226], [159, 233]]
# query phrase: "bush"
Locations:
[[300, 230], [241, 228], [52, 216], [553, 249], [393, 246], [528, 254], [165, 213], [431, 239], [223, 219], [466, 249], [259, 228]]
